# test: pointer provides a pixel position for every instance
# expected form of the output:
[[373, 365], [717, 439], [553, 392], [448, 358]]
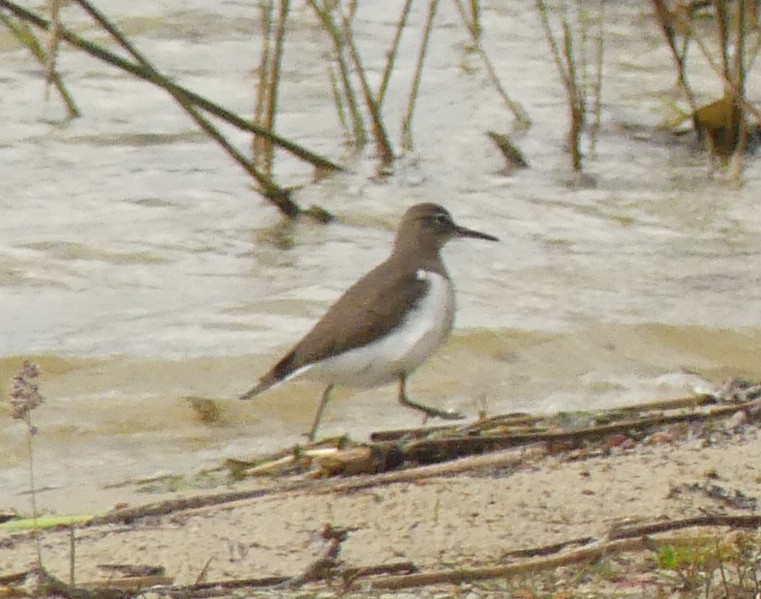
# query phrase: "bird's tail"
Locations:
[[284, 369], [265, 383]]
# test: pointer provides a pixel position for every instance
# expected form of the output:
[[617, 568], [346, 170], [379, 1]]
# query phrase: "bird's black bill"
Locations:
[[464, 232]]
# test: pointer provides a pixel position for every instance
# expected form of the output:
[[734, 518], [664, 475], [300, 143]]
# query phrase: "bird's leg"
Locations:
[[318, 415], [427, 410]]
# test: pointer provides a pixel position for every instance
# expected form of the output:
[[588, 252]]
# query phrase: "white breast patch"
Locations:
[[405, 348]]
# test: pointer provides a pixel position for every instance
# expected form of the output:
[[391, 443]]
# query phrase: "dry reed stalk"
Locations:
[[358, 126], [392, 53], [52, 43], [552, 40], [72, 555], [275, 76], [583, 39], [338, 100], [274, 85], [260, 107], [617, 541], [729, 85], [22, 32], [664, 18], [591, 82], [597, 83], [728, 138], [194, 99], [382, 143], [753, 51], [352, 10], [722, 32], [475, 18], [25, 397], [267, 187], [565, 62], [407, 120], [737, 76], [523, 121], [575, 99]]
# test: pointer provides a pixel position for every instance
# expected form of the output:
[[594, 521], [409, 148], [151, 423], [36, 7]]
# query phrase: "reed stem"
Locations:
[[392, 53], [24, 34], [267, 187], [407, 143], [191, 97], [358, 126], [520, 114], [273, 86], [52, 43], [258, 146], [382, 143], [30, 432]]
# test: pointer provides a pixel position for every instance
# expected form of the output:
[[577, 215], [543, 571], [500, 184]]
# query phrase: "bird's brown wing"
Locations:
[[366, 311]]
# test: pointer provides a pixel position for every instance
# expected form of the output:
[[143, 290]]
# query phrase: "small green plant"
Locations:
[[25, 396], [686, 562], [703, 565]]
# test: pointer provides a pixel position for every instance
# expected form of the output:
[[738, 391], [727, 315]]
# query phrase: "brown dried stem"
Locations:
[[382, 143], [392, 53], [565, 63], [407, 121], [737, 76], [597, 84], [52, 44], [358, 126], [338, 99], [475, 18], [25, 397], [267, 187], [729, 85], [260, 107], [665, 21], [575, 99], [271, 74], [24, 34], [474, 28], [618, 541], [157, 79]]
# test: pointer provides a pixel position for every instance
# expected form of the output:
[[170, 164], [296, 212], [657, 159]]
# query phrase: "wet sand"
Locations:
[[110, 420], [468, 520]]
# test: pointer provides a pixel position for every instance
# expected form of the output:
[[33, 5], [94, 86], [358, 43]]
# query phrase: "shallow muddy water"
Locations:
[[139, 269]]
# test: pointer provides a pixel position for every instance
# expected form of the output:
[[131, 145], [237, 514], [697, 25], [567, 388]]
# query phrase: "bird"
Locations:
[[388, 323]]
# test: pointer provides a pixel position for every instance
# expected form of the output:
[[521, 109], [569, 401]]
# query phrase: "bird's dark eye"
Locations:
[[441, 218]]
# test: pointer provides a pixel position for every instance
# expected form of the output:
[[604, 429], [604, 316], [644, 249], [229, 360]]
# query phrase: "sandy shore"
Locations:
[[472, 519]]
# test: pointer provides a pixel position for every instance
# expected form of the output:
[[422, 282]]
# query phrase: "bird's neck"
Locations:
[[415, 256]]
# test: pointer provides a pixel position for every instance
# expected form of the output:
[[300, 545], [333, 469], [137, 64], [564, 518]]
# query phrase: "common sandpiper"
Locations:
[[388, 323]]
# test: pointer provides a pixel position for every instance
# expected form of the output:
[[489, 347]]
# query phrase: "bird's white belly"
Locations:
[[403, 349]]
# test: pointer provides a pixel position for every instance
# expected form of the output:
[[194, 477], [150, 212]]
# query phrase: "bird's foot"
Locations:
[[431, 412], [446, 414]]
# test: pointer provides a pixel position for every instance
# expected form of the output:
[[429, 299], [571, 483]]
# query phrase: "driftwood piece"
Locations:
[[393, 449], [541, 423], [326, 566], [226, 587], [620, 540], [499, 433], [456, 450], [503, 459], [129, 583], [44, 584]]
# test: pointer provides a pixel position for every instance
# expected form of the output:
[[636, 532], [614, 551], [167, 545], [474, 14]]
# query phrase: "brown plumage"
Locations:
[[378, 303]]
